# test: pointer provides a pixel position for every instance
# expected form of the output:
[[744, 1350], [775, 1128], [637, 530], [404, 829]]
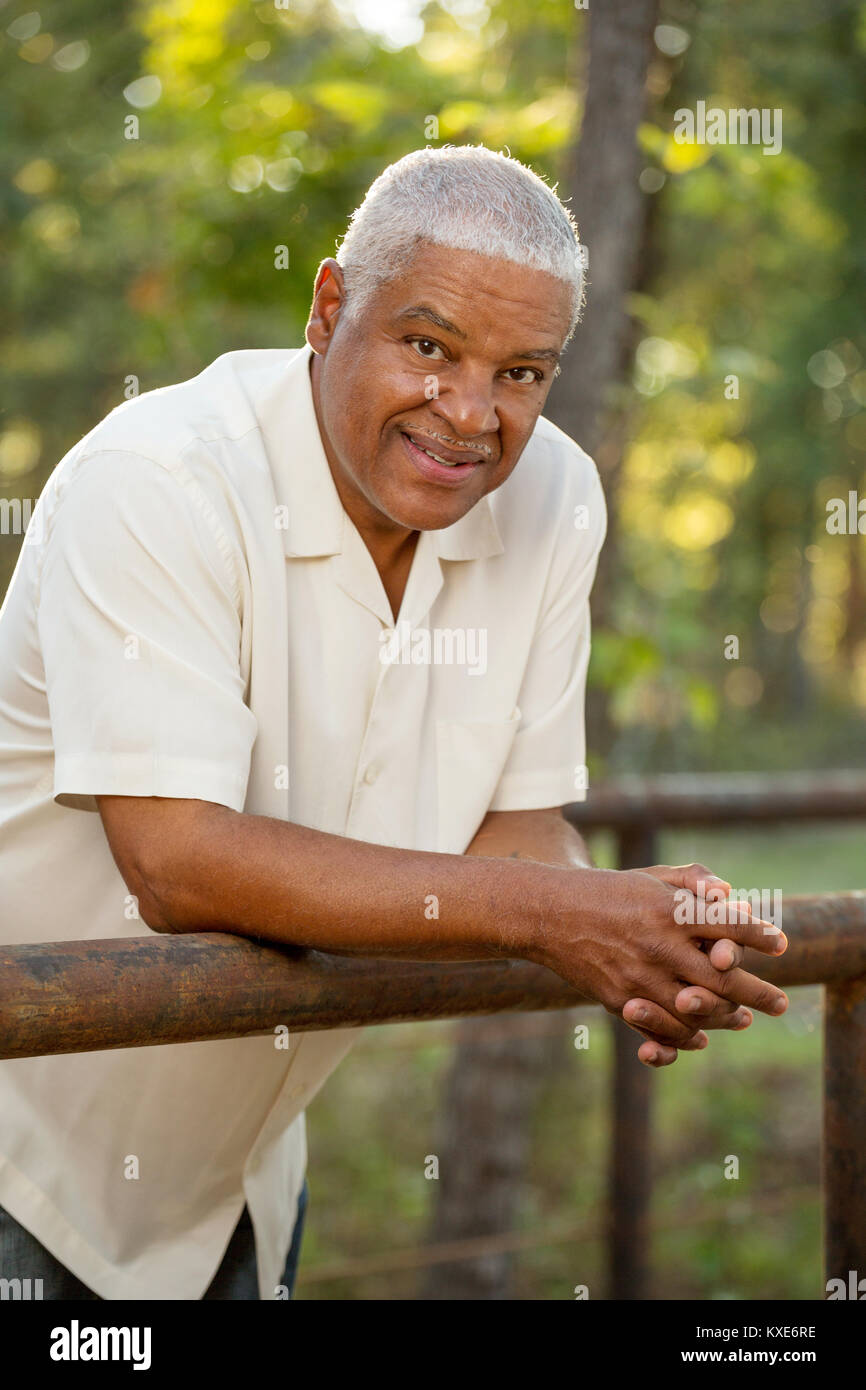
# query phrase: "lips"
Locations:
[[447, 475], [440, 452]]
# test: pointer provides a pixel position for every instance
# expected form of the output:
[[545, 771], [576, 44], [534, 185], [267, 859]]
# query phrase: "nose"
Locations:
[[466, 405]]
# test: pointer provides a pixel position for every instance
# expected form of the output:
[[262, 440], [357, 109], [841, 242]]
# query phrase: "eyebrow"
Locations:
[[423, 311], [540, 355]]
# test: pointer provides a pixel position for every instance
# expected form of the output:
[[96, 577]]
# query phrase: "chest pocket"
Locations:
[[470, 760]]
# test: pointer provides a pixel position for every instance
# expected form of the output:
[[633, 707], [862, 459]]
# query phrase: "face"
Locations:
[[427, 400]]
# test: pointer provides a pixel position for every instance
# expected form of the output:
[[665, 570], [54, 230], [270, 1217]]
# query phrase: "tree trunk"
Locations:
[[483, 1146], [610, 211], [495, 1080]]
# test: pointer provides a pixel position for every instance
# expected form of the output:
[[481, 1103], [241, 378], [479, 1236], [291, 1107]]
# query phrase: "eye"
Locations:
[[425, 347], [529, 375]]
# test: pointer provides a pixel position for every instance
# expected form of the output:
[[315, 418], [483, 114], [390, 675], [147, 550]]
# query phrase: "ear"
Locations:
[[329, 297]]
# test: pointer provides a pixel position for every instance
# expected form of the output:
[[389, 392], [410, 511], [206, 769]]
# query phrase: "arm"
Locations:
[[198, 866], [543, 836], [546, 837]]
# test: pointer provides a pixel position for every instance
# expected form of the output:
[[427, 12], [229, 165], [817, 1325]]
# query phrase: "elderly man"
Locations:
[[297, 650]]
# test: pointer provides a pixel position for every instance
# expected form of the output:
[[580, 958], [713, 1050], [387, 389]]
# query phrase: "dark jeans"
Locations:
[[22, 1256]]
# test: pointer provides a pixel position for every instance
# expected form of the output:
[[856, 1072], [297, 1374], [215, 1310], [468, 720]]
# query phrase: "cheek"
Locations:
[[503, 472], [377, 395], [515, 430]]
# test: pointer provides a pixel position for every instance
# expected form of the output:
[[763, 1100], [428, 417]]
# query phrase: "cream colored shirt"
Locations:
[[194, 615]]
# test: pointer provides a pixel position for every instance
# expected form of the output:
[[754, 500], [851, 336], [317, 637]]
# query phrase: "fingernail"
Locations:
[[780, 1006], [653, 1057], [695, 1006], [781, 945], [641, 1015]]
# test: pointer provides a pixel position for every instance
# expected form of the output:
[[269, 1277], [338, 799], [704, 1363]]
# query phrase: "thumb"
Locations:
[[696, 878]]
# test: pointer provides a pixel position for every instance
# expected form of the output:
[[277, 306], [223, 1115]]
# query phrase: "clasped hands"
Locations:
[[668, 1022]]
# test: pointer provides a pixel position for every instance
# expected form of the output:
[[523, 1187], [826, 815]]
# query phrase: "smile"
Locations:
[[450, 463], [437, 467], [449, 458]]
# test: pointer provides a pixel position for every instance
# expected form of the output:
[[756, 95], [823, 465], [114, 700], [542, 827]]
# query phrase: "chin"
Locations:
[[430, 515]]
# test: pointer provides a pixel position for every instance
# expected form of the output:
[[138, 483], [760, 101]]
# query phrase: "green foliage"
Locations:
[[757, 271]]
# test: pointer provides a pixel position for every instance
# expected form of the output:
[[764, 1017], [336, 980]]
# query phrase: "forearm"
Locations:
[[206, 868], [543, 836], [196, 866]]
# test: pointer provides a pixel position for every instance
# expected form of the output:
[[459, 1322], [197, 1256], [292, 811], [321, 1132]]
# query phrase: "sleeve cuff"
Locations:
[[535, 791], [79, 779]]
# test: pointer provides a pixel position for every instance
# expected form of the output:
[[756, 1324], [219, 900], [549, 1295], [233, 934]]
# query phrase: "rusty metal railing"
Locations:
[[82, 996]]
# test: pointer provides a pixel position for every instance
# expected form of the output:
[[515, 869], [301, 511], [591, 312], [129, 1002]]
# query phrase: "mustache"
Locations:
[[446, 439]]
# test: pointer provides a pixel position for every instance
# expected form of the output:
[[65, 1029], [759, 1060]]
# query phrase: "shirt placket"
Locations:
[[378, 811]]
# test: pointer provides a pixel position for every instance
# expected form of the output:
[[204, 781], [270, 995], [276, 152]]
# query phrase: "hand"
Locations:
[[723, 954], [627, 940]]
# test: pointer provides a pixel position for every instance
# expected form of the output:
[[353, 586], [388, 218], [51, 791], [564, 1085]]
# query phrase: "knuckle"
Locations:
[[765, 996], [740, 928], [633, 980], [657, 949]]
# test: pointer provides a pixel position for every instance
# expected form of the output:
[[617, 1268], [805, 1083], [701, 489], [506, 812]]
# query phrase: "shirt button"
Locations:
[[371, 774]]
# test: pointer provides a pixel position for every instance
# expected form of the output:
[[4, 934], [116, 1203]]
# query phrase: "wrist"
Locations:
[[557, 904]]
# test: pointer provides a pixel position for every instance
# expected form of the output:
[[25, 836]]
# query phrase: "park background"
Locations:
[[260, 125]]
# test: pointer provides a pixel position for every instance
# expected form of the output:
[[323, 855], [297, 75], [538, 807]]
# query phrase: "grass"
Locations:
[[754, 1098]]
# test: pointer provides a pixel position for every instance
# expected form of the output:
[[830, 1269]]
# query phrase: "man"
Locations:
[[298, 651]]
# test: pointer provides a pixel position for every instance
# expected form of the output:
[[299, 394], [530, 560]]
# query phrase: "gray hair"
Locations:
[[466, 197]]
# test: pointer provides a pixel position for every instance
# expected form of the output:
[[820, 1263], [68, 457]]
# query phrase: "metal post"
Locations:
[[845, 1134], [630, 1168]]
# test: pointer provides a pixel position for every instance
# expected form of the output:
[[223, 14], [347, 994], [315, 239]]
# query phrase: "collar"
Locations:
[[302, 474]]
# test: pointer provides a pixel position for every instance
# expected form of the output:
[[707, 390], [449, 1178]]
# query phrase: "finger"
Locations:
[[697, 1000], [725, 954], [655, 1055], [697, 878], [646, 1016], [696, 1043], [735, 923], [737, 986], [711, 1011]]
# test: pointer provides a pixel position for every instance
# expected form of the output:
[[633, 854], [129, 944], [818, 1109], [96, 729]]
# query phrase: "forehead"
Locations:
[[485, 297]]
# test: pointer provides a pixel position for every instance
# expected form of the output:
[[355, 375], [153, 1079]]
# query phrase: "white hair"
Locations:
[[466, 197]]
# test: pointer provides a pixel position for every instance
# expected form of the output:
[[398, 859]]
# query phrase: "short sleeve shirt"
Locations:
[[194, 615]]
